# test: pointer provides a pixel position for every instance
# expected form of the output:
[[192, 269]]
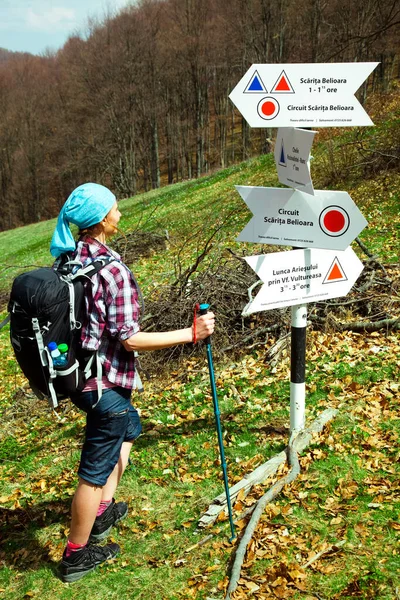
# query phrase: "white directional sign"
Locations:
[[292, 158], [302, 95], [287, 217], [302, 276]]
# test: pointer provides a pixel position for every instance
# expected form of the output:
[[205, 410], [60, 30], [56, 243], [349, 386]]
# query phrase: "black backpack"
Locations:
[[47, 305]]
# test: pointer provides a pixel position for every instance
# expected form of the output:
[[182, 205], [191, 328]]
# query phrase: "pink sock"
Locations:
[[104, 504], [71, 547]]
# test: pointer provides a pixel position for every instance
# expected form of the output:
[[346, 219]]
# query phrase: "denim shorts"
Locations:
[[110, 423]]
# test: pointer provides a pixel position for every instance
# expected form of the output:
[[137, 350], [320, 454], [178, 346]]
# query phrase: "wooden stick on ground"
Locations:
[[260, 507], [319, 554], [199, 543], [264, 471]]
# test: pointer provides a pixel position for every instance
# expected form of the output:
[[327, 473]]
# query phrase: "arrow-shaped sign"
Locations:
[[302, 95], [302, 276], [287, 217], [292, 158]]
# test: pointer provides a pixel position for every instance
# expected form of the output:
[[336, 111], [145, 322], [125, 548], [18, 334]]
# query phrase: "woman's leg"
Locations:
[[108, 490], [88, 497], [84, 509]]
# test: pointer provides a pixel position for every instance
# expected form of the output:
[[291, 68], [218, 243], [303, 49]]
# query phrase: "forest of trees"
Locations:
[[140, 99]]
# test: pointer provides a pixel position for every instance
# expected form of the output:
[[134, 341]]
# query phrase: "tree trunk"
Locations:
[[155, 161]]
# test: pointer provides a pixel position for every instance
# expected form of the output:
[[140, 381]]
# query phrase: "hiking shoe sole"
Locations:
[[72, 577]]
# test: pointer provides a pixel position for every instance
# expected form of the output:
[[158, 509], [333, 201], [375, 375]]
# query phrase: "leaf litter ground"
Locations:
[[348, 490]]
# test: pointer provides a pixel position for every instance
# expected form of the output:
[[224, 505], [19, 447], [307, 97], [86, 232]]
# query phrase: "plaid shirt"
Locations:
[[112, 311]]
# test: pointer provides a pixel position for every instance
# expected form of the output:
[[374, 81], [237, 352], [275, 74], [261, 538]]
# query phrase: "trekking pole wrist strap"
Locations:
[[194, 329]]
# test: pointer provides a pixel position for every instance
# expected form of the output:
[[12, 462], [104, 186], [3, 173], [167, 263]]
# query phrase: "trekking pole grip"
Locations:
[[203, 311]]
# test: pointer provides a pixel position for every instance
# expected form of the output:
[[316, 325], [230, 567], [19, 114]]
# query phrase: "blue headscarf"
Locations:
[[87, 205]]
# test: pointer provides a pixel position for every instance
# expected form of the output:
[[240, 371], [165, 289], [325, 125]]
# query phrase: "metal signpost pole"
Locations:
[[298, 346], [298, 367]]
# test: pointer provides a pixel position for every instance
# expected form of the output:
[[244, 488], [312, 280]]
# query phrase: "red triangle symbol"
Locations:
[[335, 273], [283, 85]]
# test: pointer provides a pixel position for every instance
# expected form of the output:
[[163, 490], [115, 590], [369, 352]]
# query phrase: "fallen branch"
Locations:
[[319, 554], [351, 301], [252, 335], [199, 543], [256, 516], [257, 476], [370, 325], [393, 323], [264, 471], [370, 255], [5, 267], [276, 350], [295, 446]]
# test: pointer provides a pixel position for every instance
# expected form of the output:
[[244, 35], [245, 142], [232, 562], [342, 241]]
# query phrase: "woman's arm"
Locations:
[[143, 341]]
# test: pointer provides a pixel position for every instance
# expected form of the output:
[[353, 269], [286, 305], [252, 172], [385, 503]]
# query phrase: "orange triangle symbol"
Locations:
[[283, 85], [335, 272]]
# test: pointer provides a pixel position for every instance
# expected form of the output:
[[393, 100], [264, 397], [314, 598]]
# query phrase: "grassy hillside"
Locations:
[[362, 161], [348, 490], [187, 210]]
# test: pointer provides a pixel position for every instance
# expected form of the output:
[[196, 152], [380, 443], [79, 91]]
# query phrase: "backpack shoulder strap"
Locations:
[[91, 268], [78, 273], [140, 297]]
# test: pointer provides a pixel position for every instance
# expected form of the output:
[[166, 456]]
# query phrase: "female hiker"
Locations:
[[110, 328]]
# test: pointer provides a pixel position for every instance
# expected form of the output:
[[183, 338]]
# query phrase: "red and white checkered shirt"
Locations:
[[112, 311]]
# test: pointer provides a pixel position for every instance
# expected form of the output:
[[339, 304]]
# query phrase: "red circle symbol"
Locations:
[[334, 221], [268, 108]]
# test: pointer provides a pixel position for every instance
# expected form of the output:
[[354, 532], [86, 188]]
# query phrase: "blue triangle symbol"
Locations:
[[255, 85], [282, 159]]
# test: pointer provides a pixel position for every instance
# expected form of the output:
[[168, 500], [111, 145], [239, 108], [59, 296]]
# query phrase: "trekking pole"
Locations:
[[203, 310]]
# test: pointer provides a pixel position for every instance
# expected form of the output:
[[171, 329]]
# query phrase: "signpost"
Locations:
[[292, 158], [287, 217], [302, 95], [323, 222]]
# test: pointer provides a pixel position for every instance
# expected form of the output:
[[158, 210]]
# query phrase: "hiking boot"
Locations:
[[81, 562], [102, 525]]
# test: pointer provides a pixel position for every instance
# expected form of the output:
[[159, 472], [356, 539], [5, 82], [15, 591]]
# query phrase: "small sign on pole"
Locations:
[[302, 276], [292, 158], [287, 217]]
